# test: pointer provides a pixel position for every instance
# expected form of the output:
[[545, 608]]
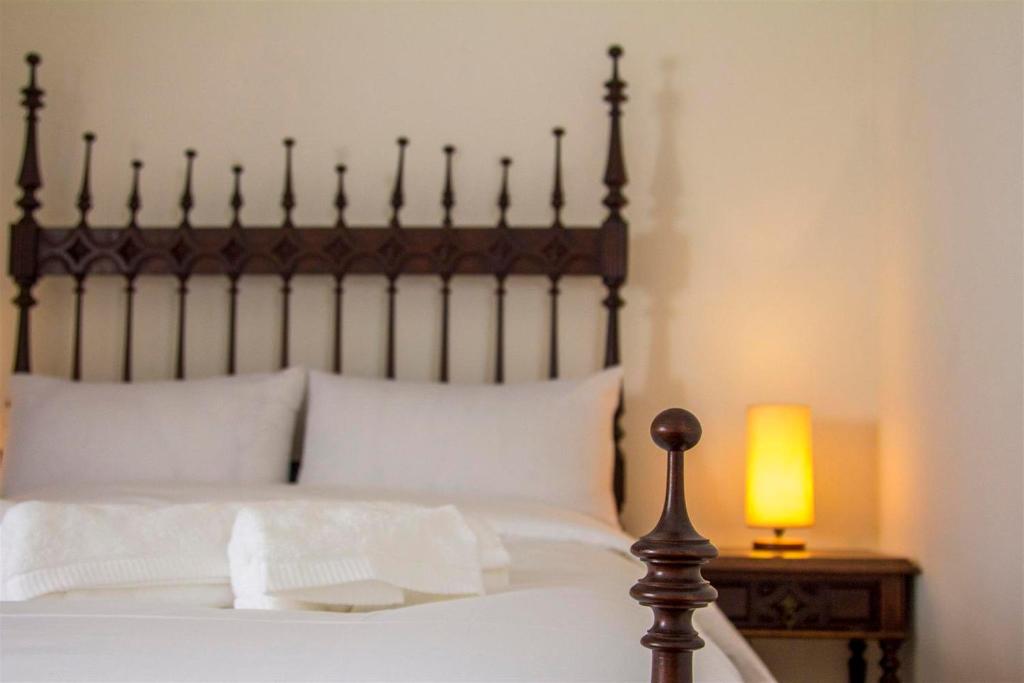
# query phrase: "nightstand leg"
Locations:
[[890, 661], [856, 665]]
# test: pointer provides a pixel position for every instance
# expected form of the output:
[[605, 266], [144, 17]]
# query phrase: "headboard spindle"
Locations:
[[445, 257]]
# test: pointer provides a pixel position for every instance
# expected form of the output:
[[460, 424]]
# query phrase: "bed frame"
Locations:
[[673, 552]]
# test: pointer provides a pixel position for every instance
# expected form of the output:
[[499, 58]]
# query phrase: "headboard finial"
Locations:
[[29, 178], [187, 201], [33, 60], [288, 196], [674, 552], [615, 177], [398, 194], [448, 193], [340, 200], [85, 192], [615, 52], [557, 193], [236, 202], [135, 198], [24, 236], [504, 198]]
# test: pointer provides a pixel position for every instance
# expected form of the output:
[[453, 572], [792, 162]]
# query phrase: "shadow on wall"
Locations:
[[664, 251], [846, 465]]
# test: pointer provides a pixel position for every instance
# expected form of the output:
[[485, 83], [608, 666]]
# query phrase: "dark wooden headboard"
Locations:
[[285, 250]]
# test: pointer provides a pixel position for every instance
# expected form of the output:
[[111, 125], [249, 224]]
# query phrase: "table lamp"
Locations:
[[780, 475]]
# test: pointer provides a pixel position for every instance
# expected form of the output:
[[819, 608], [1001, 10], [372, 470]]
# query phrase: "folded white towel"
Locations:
[[301, 554], [60, 547]]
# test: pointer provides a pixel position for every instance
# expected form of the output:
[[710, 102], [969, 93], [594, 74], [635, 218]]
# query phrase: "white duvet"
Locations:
[[566, 616]]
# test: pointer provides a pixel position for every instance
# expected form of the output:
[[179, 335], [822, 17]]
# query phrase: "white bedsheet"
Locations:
[[565, 616]]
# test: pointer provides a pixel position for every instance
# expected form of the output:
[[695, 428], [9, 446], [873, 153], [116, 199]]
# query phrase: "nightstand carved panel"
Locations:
[[780, 602], [848, 595]]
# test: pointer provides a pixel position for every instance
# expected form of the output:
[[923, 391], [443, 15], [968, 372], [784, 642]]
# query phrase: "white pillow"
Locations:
[[546, 441], [225, 430]]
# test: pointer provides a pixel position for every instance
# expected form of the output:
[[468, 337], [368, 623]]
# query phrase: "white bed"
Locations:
[[567, 570], [564, 614]]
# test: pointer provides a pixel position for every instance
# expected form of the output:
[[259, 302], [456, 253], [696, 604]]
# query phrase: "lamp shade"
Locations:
[[780, 473]]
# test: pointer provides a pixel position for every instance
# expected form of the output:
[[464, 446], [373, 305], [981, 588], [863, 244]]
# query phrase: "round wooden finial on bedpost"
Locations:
[[674, 552], [675, 429]]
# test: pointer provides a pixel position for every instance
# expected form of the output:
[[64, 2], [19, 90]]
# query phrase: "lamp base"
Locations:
[[779, 544]]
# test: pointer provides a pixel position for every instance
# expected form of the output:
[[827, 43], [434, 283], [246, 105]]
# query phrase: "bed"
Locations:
[[565, 613]]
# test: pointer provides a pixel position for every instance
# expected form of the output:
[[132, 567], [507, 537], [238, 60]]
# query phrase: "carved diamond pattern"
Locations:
[[392, 250], [789, 606], [78, 250], [285, 250], [129, 250], [503, 250], [791, 603], [445, 253], [232, 251], [555, 250], [338, 249], [181, 251]]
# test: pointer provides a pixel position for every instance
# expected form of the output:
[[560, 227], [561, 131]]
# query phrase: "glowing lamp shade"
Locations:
[[780, 473]]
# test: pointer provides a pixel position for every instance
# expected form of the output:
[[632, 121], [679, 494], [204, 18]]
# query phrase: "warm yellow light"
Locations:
[[780, 475]]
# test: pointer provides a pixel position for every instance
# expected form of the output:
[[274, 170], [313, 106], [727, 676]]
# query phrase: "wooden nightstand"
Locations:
[[852, 595]]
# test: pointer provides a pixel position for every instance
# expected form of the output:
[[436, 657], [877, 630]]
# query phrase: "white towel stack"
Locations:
[[279, 555], [357, 554]]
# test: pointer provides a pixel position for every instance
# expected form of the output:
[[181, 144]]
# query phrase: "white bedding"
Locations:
[[565, 616]]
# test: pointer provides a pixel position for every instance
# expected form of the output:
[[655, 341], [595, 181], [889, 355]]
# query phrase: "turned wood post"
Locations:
[[674, 552], [25, 233], [614, 248]]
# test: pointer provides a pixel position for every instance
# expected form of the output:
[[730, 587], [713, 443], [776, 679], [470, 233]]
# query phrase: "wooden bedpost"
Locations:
[[24, 233], [674, 552], [614, 238]]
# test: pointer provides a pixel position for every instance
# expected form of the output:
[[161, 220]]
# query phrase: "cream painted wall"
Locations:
[[950, 141]]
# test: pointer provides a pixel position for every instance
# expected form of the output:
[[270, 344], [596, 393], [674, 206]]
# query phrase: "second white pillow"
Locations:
[[545, 441]]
